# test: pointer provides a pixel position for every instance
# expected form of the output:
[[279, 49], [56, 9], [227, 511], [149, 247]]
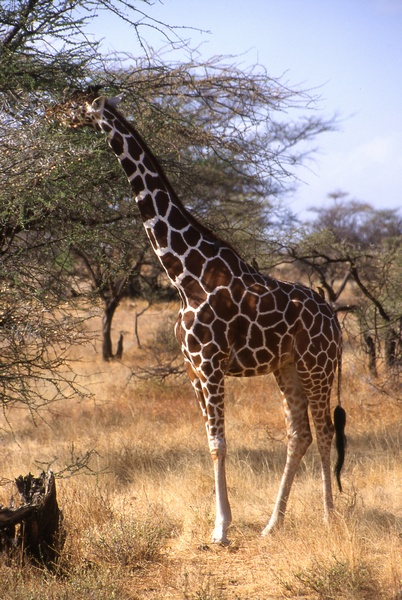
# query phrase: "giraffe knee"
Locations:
[[300, 442], [306, 441], [214, 452], [217, 450]]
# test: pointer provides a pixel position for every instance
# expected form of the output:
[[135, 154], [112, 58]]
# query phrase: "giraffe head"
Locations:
[[82, 108]]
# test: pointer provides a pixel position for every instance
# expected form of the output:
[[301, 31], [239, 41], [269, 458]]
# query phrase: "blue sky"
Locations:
[[349, 51]]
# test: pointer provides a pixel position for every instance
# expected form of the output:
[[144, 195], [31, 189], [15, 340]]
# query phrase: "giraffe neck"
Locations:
[[182, 244]]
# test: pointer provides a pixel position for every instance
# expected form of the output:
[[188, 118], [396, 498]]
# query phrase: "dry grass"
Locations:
[[139, 526]]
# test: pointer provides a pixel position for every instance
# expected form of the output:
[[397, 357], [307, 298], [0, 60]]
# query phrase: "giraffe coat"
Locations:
[[233, 320]]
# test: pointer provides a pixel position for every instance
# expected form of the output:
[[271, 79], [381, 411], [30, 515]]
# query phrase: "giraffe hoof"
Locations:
[[271, 528], [220, 538]]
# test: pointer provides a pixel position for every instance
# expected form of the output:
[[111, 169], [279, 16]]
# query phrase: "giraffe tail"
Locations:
[[339, 424]]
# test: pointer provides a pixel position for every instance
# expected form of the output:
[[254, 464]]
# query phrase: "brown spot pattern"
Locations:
[[233, 320]]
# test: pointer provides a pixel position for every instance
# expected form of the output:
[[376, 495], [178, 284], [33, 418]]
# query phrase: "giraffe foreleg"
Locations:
[[210, 396], [215, 426], [223, 516]]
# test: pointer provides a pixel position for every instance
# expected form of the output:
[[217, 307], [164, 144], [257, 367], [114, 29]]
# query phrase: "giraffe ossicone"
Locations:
[[233, 321]]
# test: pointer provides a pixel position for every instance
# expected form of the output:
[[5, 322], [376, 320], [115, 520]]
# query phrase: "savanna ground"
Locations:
[[138, 514]]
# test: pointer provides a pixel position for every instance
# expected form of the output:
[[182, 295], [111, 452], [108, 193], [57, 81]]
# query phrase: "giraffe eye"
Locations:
[[96, 104]]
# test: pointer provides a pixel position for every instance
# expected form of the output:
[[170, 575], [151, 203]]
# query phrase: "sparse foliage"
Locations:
[[354, 250], [219, 131]]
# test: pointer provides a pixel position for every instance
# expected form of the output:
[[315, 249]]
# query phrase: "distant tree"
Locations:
[[357, 223], [352, 242]]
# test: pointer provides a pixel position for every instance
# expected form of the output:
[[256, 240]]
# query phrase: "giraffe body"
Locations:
[[233, 321]]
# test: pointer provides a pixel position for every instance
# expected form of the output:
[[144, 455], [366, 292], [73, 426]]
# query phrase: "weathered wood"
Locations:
[[35, 527]]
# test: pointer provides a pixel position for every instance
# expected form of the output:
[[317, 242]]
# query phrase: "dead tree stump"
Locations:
[[35, 527]]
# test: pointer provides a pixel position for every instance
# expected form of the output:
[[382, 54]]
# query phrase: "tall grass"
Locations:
[[139, 510]]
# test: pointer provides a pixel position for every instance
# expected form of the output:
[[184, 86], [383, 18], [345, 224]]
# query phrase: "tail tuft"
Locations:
[[340, 441]]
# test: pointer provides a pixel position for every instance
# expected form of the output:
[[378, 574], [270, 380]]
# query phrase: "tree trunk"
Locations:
[[119, 351], [107, 348], [116, 290], [372, 362], [391, 348]]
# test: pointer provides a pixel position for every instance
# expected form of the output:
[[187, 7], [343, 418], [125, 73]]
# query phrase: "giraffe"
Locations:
[[233, 321]]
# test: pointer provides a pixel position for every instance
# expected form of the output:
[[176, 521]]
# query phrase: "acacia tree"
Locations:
[[44, 46], [219, 131], [350, 242]]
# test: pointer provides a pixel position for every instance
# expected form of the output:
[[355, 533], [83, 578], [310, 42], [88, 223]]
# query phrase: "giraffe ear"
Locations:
[[115, 101]]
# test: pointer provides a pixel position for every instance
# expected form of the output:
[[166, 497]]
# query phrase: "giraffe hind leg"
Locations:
[[299, 437], [320, 412]]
